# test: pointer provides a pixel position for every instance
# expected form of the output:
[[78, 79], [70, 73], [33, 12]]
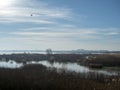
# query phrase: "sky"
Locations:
[[59, 24]]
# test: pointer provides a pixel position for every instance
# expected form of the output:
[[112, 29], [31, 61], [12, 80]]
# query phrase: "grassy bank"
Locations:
[[104, 60]]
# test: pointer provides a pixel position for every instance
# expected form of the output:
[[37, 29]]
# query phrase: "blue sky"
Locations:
[[60, 24]]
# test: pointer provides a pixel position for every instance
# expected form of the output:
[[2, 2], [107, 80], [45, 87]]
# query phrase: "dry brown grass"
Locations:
[[38, 77]]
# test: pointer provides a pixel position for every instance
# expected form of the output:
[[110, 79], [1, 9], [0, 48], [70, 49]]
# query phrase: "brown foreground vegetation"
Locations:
[[104, 60], [38, 77]]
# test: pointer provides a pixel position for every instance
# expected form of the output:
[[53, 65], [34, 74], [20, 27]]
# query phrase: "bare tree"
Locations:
[[49, 51], [49, 54]]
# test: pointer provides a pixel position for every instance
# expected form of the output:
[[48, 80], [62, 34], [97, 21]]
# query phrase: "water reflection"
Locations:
[[74, 67], [10, 64], [71, 67]]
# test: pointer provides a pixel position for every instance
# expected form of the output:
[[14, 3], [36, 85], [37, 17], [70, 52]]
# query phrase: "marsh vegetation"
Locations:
[[62, 72]]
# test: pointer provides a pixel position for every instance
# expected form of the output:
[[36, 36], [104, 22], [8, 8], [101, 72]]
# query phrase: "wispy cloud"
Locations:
[[65, 32], [25, 20], [30, 11], [113, 33], [38, 23], [70, 38]]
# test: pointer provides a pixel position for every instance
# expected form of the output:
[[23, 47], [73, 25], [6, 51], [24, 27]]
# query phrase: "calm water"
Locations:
[[10, 64], [69, 67]]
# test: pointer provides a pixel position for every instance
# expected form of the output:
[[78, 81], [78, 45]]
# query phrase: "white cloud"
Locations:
[[22, 10], [57, 34], [113, 33], [25, 20], [73, 39], [64, 32], [46, 26]]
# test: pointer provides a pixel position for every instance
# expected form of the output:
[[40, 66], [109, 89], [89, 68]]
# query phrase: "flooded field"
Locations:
[[67, 67], [46, 75]]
